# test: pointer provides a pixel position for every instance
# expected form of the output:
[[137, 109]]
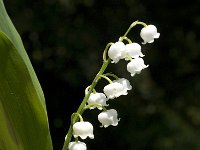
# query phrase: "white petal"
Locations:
[[126, 85], [77, 146], [108, 118], [151, 41], [136, 66], [97, 98], [83, 129], [148, 34], [157, 36], [115, 51], [113, 90], [132, 50]]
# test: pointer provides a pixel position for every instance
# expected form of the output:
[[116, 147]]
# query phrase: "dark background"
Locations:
[[65, 40]]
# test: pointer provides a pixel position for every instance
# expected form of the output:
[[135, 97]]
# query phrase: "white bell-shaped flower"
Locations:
[[135, 66], [77, 146], [132, 50], [113, 90], [97, 98], [125, 83], [83, 129], [108, 117], [149, 33], [116, 51]]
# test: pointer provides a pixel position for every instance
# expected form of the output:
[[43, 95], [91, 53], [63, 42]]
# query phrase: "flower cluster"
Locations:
[[132, 51], [119, 86]]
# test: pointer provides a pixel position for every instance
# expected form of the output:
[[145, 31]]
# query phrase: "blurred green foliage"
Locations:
[[65, 40]]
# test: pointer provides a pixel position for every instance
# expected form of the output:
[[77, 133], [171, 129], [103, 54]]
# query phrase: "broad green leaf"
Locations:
[[8, 28], [23, 117]]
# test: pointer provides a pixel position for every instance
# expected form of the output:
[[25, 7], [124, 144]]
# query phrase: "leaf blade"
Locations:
[[7, 27], [23, 116]]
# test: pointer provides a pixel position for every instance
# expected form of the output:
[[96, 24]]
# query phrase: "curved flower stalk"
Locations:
[[117, 51]]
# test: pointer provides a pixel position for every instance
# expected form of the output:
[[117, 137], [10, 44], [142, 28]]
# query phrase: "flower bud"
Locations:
[[108, 117], [97, 98], [135, 66], [116, 51], [149, 33], [77, 146], [83, 129]]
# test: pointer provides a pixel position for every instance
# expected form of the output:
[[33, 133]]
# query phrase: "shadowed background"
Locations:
[[65, 40]]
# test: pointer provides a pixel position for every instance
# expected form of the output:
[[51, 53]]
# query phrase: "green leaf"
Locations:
[[23, 116]]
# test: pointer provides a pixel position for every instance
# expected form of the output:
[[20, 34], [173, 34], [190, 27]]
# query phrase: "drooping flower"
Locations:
[[125, 83], [117, 88], [135, 66], [97, 98], [113, 90], [116, 51], [149, 33], [77, 146], [83, 129], [108, 118], [132, 50]]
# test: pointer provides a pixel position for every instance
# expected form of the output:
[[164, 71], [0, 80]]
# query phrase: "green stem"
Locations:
[[112, 75], [102, 76], [87, 89], [81, 107], [131, 26], [127, 39], [73, 116], [106, 51]]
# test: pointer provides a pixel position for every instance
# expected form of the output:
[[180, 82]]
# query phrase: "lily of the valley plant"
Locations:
[[113, 53]]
